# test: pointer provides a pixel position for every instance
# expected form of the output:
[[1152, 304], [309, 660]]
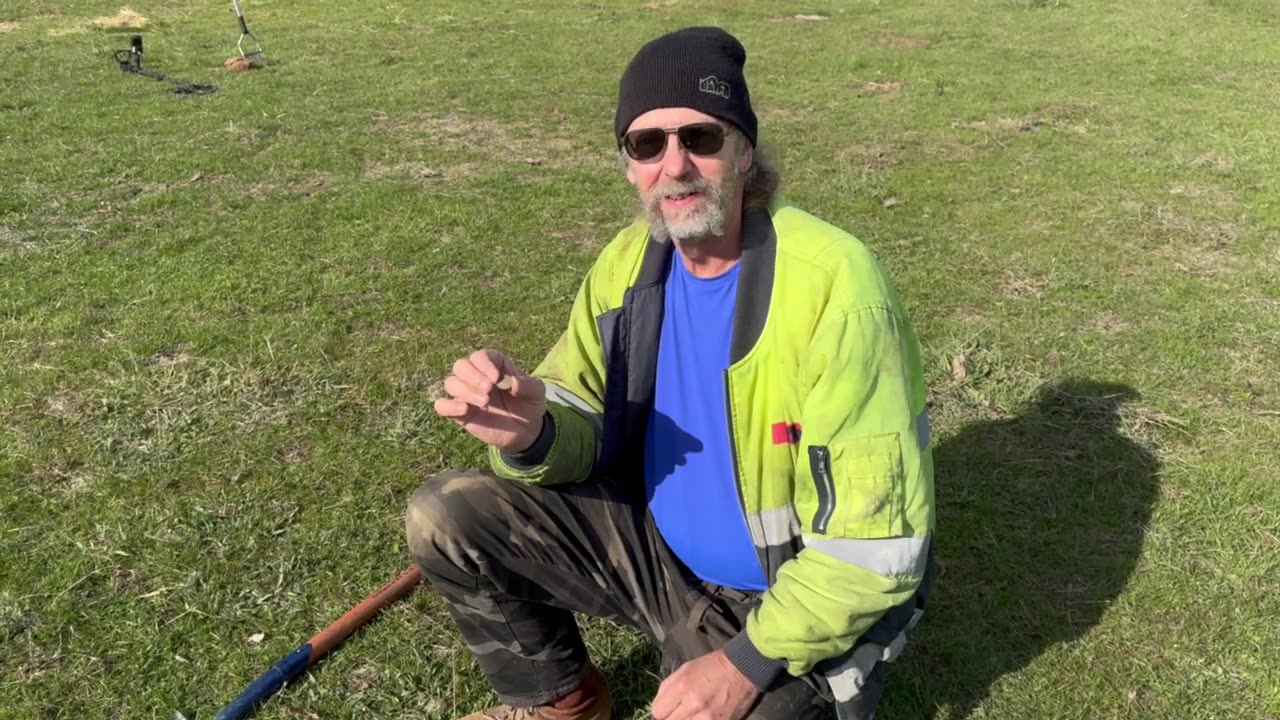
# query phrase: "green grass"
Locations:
[[222, 318]]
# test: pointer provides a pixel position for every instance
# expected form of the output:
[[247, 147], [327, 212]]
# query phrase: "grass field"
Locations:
[[222, 319]]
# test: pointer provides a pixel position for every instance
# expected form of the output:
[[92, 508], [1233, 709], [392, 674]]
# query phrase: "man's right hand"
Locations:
[[507, 419]]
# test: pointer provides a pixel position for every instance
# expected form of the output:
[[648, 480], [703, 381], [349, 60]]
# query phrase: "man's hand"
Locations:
[[507, 419], [709, 688]]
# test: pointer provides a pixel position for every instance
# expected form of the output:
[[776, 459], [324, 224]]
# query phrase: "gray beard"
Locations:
[[692, 228]]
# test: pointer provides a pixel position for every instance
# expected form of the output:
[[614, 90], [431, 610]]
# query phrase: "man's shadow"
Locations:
[[1040, 524], [1041, 520]]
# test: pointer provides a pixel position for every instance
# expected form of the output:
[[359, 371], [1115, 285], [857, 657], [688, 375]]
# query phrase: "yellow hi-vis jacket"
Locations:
[[828, 429]]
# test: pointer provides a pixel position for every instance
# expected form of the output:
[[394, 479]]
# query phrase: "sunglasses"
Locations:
[[698, 138]]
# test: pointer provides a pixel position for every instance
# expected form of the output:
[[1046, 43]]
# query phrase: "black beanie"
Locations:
[[699, 68]]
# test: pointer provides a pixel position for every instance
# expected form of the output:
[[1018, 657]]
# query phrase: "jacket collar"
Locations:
[[755, 278]]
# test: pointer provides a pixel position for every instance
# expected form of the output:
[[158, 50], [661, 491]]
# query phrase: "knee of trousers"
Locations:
[[441, 513]]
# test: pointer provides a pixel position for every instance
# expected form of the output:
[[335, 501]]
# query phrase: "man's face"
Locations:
[[688, 197]]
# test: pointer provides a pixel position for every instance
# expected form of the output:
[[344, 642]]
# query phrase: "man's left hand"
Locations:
[[709, 688]]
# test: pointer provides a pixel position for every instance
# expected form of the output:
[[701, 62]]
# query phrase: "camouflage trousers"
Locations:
[[515, 562]]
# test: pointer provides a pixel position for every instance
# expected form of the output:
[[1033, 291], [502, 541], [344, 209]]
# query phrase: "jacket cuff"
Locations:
[[757, 668], [533, 456]]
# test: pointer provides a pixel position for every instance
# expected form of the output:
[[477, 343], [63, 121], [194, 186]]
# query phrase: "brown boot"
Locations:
[[589, 701]]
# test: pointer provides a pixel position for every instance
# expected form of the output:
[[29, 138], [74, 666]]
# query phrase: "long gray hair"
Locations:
[[760, 184]]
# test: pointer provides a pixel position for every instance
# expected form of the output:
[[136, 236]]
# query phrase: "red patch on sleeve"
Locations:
[[786, 433]]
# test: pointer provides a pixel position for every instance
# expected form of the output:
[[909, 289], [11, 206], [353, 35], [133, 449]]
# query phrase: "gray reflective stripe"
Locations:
[[847, 678], [555, 393], [915, 618], [895, 648], [777, 526], [891, 557], [922, 429]]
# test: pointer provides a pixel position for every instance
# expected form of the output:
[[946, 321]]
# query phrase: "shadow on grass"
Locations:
[[1040, 524]]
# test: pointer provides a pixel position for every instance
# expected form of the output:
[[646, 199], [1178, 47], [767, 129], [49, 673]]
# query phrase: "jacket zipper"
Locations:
[[820, 467], [733, 460]]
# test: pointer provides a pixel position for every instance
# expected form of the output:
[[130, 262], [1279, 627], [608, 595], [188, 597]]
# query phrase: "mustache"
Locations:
[[683, 187]]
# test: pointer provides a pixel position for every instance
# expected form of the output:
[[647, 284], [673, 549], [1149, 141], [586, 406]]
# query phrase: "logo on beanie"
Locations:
[[711, 84]]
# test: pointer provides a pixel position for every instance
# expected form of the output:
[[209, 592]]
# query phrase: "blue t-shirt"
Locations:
[[688, 468]]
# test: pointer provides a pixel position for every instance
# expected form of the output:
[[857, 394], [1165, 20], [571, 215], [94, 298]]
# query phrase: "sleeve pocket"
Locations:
[[869, 487]]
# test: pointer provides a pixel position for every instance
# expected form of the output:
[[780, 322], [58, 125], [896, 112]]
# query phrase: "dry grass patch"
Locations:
[[37, 663], [67, 406], [362, 677], [878, 155], [311, 185], [305, 186], [903, 42], [1213, 232], [799, 18], [296, 454], [10, 235], [6, 26], [397, 332], [1022, 287], [63, 478], [126, 19], [967, 316], [168, 356], [419, 172], [1211, 161], [1013, 125], [881, 87], [587, 237], [1069, 117], [872, 156], [1205, 193], [1111, 324], [1143, 423], [1197, 246], [786, 115], [503, 142]]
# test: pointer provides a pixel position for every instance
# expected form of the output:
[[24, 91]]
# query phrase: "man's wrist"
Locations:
[[753, 665], [536, 452]]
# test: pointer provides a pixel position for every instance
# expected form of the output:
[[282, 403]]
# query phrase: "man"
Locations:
[[727, 447]]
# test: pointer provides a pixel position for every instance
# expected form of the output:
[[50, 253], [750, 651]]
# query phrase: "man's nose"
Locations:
[[675, 161]]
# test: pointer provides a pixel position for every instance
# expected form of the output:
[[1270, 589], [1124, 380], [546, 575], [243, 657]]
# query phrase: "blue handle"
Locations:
[[287, 670]]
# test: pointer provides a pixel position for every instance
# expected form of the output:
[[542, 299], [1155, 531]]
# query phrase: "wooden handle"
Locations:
[[343, 627]]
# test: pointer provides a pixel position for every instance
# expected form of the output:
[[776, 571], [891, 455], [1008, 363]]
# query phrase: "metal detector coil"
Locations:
[[130, 61]]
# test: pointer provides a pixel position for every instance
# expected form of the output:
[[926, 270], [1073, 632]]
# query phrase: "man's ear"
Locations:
[[748, 156], [631, 173]]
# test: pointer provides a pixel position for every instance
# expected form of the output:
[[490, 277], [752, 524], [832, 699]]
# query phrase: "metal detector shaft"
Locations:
[[291, 666]]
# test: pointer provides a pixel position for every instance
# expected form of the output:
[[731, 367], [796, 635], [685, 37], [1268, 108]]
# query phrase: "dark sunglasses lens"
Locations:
[[644, 144], [702, 138]]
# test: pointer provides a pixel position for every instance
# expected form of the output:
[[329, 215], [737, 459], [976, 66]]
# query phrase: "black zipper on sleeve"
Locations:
[[820, 467]]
